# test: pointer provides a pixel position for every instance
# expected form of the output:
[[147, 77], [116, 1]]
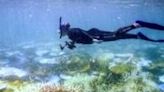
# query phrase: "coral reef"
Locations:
[[80, 82], [118, 77], [78, 62], [82, 72]]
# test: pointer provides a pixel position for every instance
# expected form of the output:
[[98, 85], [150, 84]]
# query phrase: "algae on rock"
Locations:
[[121, 68], [78, 63]]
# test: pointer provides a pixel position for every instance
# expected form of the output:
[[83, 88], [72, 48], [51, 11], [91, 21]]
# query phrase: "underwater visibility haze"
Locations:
[[31, 60]]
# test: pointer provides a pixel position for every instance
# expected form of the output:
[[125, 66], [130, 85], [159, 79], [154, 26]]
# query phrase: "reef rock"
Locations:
[[161, 78], [42, 60], [41, 52], [2, 87], [10, 72]]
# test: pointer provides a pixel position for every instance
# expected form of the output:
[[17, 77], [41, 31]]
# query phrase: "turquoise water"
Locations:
[[30, 53]]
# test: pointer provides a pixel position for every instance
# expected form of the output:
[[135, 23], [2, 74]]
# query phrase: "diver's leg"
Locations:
[[150, 25], [130, 36], [119, 37], [126, 29]]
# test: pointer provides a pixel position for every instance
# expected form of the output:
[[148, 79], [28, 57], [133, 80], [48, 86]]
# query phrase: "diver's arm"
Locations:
[[97, 41], [93, 39], [87, 34]]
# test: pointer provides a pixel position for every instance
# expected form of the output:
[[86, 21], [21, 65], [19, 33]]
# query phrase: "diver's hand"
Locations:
[[70, 45], [61, 47], [97, 41]]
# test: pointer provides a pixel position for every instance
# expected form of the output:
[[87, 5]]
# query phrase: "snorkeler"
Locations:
[[77, 35]]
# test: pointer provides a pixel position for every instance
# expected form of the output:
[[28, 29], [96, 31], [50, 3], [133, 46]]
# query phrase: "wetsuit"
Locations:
[[78, 35]]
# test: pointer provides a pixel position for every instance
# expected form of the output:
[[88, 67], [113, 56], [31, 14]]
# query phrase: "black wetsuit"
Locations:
[[78, 35]]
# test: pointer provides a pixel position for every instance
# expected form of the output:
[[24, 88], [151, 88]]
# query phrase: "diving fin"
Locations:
[[142, 36]]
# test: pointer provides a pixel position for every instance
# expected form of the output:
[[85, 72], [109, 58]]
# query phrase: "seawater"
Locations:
[[30, 53]]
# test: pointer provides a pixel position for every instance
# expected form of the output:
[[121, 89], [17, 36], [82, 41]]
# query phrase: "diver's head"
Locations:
[[64, 28]]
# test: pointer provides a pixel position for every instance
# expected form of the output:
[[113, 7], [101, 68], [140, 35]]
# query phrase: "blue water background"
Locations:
[[36, 21]]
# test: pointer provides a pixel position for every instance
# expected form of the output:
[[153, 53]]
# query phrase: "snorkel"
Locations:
[[63, 29], [60, 24]]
